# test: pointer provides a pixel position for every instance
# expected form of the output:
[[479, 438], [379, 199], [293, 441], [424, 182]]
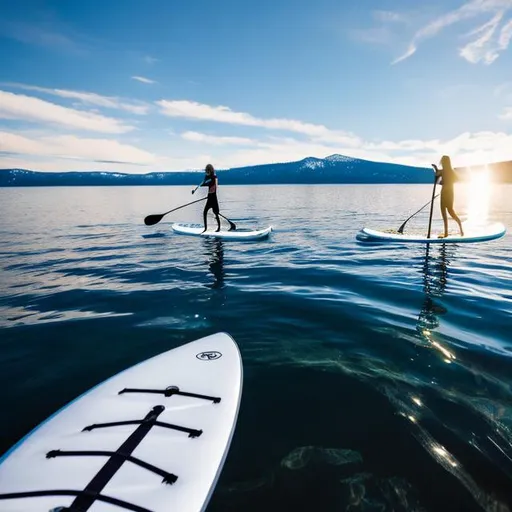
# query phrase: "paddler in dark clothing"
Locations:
[[210, 181], [448, 178]]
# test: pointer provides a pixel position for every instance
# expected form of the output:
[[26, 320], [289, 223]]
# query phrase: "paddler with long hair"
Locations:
[[210, 181], [448, 178]]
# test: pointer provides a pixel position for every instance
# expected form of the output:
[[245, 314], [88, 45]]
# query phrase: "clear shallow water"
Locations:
[[377, 377]]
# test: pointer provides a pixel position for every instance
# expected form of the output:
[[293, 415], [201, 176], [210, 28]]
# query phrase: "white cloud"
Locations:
[[221, 114], [465, 149], [28, 108], [485, 48], [72, 147], [507, 115], [143, 79], [193, 110], [90, 98], [43, 152], [217, 140]]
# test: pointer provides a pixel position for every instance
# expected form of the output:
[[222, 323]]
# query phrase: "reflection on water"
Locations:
[[462, 428], [435, 280], [214, 251], [435, 277]]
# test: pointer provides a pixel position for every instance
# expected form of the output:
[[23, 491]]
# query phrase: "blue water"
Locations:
[[377, 377]]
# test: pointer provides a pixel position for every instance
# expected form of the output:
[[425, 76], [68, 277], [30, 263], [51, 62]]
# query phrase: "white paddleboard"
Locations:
[[127, 444], [238, 234], [472, 234]]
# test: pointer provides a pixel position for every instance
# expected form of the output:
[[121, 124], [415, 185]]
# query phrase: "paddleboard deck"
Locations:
[[238, 234], [153, 438], [472, 234]]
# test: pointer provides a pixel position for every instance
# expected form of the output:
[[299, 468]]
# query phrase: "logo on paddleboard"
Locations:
[[209, 356]]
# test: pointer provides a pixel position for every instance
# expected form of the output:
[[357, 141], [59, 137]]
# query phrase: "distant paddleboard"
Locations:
[[472, 234], [152, 438], [238, 234]]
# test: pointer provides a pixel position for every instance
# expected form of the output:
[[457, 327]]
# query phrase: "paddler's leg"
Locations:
[[205, 214], [444, 214], [215, 207], [455, 217]]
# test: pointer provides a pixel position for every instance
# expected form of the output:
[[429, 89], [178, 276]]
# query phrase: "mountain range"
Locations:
[[331, 170]]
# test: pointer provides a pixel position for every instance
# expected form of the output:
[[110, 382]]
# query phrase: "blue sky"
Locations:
[[138, 86]]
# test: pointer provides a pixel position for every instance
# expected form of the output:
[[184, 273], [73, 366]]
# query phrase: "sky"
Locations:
[[160, 85]]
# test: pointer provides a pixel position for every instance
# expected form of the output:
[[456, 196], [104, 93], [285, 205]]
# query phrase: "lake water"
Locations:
[[377, 377]]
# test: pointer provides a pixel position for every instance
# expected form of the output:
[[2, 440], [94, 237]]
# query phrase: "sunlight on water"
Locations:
[[479, 194]]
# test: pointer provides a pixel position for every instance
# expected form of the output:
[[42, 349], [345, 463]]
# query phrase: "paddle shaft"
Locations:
[[401, 228], [193, 191], [183, 206], [151, 220], [432, 207]]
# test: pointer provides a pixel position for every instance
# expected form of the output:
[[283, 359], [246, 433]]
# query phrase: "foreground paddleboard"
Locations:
[[150, 439], [472, 234], [238, 234]]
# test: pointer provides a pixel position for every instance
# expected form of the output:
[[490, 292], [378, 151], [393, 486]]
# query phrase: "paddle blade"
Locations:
[[232, 225], [150, 220]]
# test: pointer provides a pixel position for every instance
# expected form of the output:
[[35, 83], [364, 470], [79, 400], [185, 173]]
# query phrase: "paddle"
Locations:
[[197, 187], [232, 225], [432, 202], [150, 220], [401, 228]]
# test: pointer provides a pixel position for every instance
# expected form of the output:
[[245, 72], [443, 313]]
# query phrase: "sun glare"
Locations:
[[479, 194]]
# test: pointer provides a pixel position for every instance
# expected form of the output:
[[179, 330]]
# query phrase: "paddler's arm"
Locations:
[[200, 185], [439, 173]]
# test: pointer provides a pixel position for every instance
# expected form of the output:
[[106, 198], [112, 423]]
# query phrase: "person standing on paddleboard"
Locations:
[[448, 178], [210, 181]]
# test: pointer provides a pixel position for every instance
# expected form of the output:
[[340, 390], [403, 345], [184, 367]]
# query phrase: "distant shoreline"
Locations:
[[333, 170]]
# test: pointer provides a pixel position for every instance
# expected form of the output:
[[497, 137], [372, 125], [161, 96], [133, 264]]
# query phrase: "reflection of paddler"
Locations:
[[434, 280], [216, 261], [448, 178]]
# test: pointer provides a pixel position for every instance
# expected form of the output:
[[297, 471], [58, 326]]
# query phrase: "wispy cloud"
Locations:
[[217, 140], [90, 98], [505, 35], [222, 114], [507, 114], [481, 49], [385, 32], [35, 110], [486, 47], [390, 16], [75, 148], [504, 90], [43, 33], [143, 79], [150, 60], [373, 35]]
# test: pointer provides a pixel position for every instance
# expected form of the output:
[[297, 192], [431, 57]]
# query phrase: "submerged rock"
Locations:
[[366, 493], [314, 455]]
